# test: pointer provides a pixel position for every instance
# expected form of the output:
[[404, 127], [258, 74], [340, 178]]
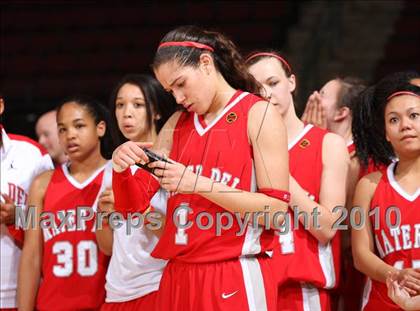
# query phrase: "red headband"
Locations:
[[188, 44], [281, 59], [401, 93]]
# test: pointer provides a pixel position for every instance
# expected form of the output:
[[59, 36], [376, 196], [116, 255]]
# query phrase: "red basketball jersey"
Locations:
[[300, 257], [73, 267], [396, 244], [220, 151]]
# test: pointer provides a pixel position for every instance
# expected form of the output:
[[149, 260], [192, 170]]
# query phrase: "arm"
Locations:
[[335, 161], [267, 136], [133, 192], [104, 236], [31, 259], [365, 259]]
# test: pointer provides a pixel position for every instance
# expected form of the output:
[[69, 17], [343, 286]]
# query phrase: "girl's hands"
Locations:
[[175, 177], [129, 154]]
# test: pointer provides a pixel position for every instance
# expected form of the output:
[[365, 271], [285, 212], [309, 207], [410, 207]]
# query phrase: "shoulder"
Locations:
[[40, 183], [173, 119], [264, 110], [28, 143], [333, 149], [368, 184]]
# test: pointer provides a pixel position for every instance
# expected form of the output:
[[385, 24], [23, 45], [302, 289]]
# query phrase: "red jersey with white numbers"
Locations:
[[221, 151], [73, 267], [396, 242], [300, 257]]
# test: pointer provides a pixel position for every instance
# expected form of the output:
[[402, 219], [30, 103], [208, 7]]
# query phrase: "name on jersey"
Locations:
[[17, 194], [396, 239], [69, 220], [217, 175]]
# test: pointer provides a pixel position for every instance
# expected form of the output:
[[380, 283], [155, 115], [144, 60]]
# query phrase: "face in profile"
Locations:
[[46, 130], [402, 124], [277, 86], [77, 131], [192, 87], [329, 94], [131, 112]]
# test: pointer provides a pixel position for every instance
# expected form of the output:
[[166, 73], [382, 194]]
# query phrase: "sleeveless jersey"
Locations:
[[73, 267], [300, 257], [396, 244], [222, 152]]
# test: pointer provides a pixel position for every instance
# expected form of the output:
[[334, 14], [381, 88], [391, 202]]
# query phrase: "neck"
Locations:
[[293, 124], [223, 94], [343, 129], [409, 163], [60, 159], [86, 166], [149, 136], [409, 167]]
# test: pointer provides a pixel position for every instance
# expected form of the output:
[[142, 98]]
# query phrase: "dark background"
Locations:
[[50, 50]]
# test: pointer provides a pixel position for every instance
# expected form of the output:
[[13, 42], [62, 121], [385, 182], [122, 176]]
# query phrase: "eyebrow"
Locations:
[[173, 82], [141, 98], [408, 109]]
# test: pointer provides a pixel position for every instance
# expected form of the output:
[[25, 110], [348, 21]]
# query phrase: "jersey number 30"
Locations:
[[87, 258]]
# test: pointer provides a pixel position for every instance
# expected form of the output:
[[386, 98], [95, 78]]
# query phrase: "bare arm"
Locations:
[[104, 236], [365, 259], [31, 258], [335, 161]]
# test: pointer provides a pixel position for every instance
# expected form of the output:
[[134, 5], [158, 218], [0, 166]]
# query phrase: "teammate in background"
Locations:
[[389, 199], [65, 250], [318, 167], [331, 108], [227, 156], [46, 130], [141, 107], [16, 174]]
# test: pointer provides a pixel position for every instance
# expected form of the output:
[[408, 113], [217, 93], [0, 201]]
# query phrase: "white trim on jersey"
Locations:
[[325, 255], [310, 298], [201, 131], [394, 184], [106, 183], [253, 232], [305, 130], [366, 293], [254, 283], [77, 184], [349, 143]]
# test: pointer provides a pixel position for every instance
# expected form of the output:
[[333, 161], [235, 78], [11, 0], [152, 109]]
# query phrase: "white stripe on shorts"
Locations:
[[254, 283], [311, 300]]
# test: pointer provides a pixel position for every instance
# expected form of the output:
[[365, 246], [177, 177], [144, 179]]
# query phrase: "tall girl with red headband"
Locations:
[[227, 160], [389, 240], [306, 259]]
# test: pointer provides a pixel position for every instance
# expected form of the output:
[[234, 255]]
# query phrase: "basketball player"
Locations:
[[16, 174], [64, 250], [318, 168], [388, 242], [141, 108], [46, 130], [227, 159]]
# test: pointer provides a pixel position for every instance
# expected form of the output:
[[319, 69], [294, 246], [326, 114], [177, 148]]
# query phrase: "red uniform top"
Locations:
[[399, 246], [300, 257], [222, 152], [73, 267]]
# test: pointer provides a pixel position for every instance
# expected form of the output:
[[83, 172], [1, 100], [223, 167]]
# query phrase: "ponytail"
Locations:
[[227, 60]]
